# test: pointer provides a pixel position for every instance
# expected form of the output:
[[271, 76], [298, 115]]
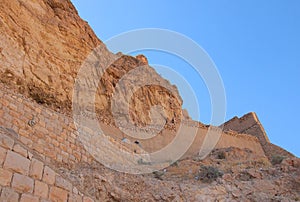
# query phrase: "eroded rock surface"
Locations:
[[44, 43]]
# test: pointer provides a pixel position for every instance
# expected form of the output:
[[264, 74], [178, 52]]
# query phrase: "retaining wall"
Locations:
[[54, 137], [26, 177]]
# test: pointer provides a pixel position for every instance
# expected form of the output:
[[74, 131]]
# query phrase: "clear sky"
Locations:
[[255, 45]]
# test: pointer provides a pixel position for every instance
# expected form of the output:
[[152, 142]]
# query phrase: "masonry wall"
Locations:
[[242, 141], [228, 139], [248, 124], [54, 137], [51, 134], [26, 177]]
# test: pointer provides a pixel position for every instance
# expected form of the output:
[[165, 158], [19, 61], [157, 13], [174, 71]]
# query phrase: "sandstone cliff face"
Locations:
[[143, 99], [42, 46]]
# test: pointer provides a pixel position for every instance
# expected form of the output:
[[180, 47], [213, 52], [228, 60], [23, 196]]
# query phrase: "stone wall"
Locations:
[[227, 139], [26, 177], [54, 136], [43, 130], [248, 124]]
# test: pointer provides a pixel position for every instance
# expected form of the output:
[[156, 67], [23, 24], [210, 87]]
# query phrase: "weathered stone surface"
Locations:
[[36, 169], [41, 49], [42, 62], [45, 200], [22, 183], [26, 141], [9, 194], [17, 163], [254, 173], [5, 177], [294, 162], [41, 73], [29, 198], [62, 183], [2, 155], [6, 142], [20, 150], [41, 189], [87, 199], [75, 198], [58, 194], [49, 175], [75, 190]]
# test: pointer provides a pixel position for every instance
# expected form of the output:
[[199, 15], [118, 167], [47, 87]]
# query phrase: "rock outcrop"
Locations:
[[43, 44]]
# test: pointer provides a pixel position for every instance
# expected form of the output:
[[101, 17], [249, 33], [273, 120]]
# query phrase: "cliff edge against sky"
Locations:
[[43, 44]]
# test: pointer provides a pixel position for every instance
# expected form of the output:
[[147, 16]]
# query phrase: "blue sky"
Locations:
[[254, 44]]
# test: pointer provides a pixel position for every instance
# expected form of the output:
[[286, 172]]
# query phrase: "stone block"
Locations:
[[9, 194], [39, 147], [12, 106], [22, 183], [36, 169], [49, 175], [58, 194], [26, 141], [41, 189], [6, 142], [17, 163], [29, 198], [24, 132], [20, 150], [5, 177]]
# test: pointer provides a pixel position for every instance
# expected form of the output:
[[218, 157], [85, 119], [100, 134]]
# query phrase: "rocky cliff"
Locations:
[[43, 44]]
